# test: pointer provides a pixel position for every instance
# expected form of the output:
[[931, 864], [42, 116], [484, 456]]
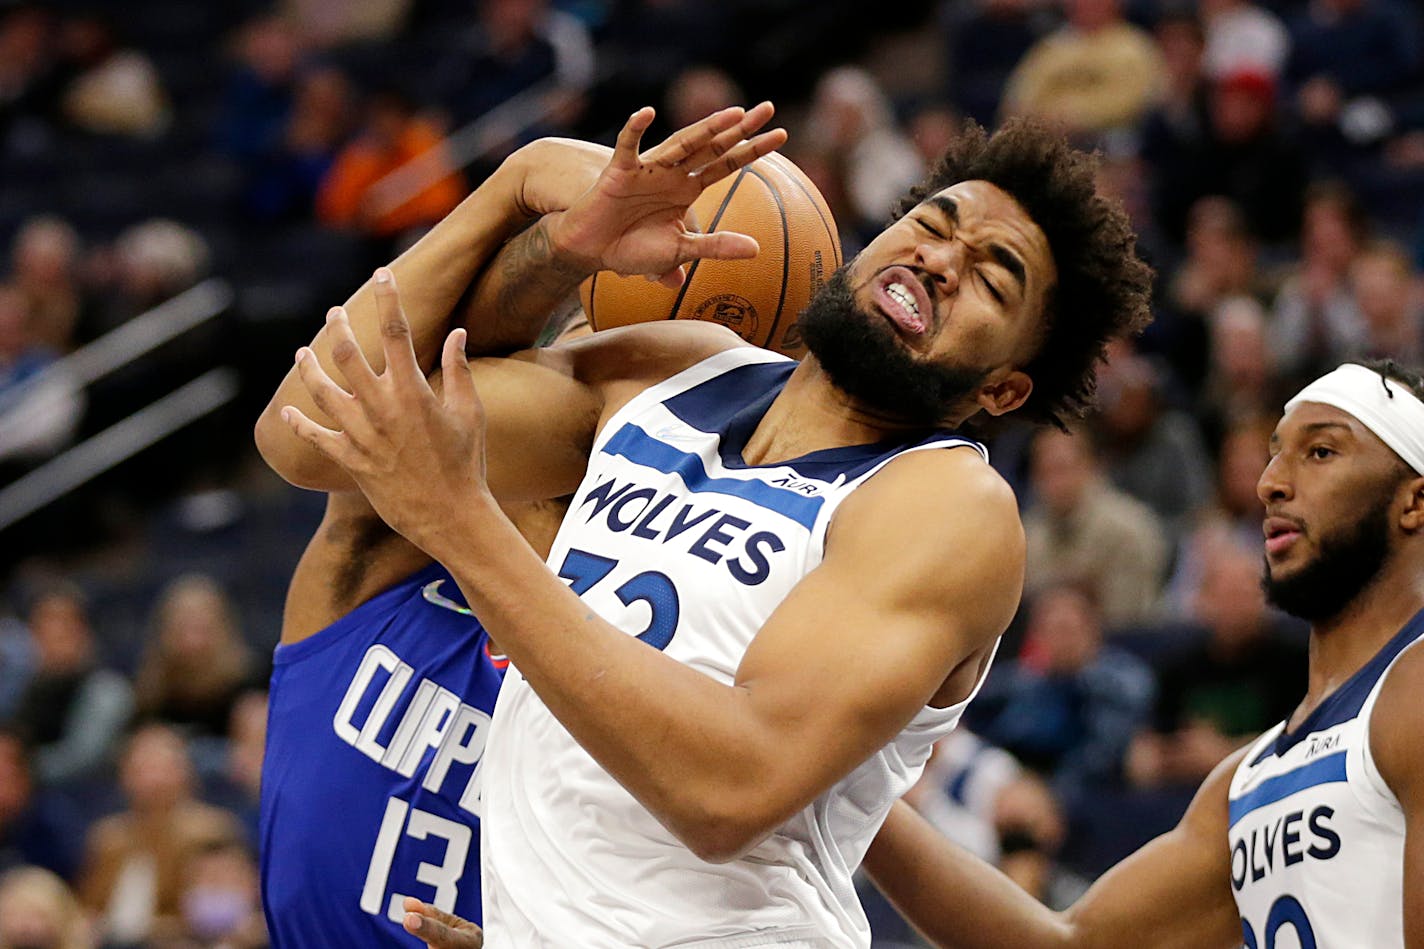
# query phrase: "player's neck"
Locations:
[[1340, 645], [809, 415]]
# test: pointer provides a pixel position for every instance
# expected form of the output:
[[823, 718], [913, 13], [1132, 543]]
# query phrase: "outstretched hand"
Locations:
[[634, 219], [410, 451], [438, 929]]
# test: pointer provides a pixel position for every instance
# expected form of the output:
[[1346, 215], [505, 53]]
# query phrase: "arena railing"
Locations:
[[67, 378]]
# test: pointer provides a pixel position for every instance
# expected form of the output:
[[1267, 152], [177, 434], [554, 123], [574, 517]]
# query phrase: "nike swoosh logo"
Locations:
[[431, 593]]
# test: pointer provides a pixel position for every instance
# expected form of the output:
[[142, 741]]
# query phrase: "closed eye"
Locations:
[[993, 290], [934, 231]]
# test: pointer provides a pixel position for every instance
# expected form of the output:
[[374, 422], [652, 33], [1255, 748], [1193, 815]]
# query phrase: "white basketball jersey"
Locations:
[[675, 539], [1317, 838]]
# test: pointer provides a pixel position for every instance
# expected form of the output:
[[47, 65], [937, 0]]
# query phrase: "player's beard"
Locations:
[[863, 358], [1346, 564]]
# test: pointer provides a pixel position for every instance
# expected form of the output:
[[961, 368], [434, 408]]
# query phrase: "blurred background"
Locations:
[[186, 187]]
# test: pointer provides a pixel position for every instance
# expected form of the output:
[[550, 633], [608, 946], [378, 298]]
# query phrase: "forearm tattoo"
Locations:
[[533, 278]]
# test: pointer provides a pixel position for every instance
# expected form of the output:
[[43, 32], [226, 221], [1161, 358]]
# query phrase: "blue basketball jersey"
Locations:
[[370, 783]]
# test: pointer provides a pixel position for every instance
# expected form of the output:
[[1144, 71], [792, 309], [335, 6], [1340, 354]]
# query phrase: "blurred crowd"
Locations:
[[1270, 152]]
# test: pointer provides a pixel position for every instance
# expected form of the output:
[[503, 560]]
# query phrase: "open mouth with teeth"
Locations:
[[901, 297]]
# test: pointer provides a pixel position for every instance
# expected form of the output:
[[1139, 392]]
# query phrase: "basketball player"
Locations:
[[1314, 834], [384, 681], [777, 585]]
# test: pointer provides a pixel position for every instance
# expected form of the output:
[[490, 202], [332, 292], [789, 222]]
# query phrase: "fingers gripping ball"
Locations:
[[759, 299]]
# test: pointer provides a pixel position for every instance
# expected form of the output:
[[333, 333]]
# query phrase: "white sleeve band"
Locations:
[[1382, 405]]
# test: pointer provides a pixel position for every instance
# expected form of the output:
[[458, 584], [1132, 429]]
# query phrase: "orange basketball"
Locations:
[[759, 299]]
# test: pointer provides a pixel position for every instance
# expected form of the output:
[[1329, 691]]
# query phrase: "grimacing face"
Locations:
[[961, 281], [1330, 491]]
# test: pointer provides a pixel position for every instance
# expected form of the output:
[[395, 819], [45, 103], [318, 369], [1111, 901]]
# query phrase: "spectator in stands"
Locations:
[[982, 798], [37, 826], [1233, 520], [1240, 384], [1150, 449], [17, 662], [28, 84], [109, 90], [351, 21], [197, 662], [517, 45], [1239, 679], [933, 126], [1080, 528], [1242, 36], [696, 92], [1069, 706], [148, 264], [237, 785], [1222, 260], [1221, 264], [646, 41], [1346, 49], [135, 860], [1099, 72], [851, 119], [282, 183], [36, 424], [37, 911], [220, 900], [1178, 127], [1245, 157], [986, 40], [1386, 291], [258, 98], [21, 354], [394, 134], [44, 266], [1317, 322], [73, 710]]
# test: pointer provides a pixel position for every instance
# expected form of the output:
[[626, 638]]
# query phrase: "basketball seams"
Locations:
[[711, 229], [750, 296], [785, 252], [780, 165]]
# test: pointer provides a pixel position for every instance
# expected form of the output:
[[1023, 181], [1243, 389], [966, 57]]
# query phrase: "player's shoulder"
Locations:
[[1397, 720], [946, 525], [950, 485]]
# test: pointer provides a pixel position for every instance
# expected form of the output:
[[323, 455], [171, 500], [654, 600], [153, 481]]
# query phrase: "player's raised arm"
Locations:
[[1174, 893], [627, 215]]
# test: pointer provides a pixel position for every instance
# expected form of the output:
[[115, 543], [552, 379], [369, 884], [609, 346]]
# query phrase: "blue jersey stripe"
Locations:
[[639, 447], [1327, 770]]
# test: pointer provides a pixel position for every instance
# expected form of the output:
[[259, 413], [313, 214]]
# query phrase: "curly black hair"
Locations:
[[1411, 379], [1103, 289]]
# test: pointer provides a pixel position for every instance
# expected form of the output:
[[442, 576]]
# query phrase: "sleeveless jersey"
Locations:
[[1317, 837], [370, 782], [673, 538]]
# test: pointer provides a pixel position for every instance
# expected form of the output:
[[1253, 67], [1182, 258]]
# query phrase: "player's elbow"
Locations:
[[723, 828], [290, 458], [720, 841]]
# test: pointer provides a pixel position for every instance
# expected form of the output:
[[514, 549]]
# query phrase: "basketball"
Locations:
[[759, 299]]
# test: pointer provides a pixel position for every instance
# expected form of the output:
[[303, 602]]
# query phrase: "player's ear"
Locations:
[[1412, 517], [1005, 393]]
